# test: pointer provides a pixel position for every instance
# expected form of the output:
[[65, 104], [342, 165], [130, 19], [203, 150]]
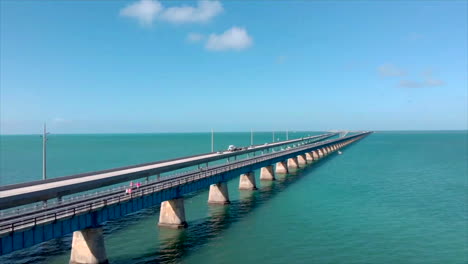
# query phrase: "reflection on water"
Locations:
[[173, 243]]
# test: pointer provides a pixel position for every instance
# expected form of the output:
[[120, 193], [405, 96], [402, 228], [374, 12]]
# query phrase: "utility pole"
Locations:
[[273, 136], [44, 153], [212, 140], [251, 137]]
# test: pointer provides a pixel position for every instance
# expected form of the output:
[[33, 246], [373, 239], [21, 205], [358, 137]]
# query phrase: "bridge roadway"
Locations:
[[27, 193], [83, 217]]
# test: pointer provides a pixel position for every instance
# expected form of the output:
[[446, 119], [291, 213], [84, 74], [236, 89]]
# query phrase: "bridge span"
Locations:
[[26, 193], [84, 217]]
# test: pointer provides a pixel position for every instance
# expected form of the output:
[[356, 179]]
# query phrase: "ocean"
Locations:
[[393, 197]]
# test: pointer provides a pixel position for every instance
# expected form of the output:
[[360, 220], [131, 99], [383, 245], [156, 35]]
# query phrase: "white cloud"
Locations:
[[195, 37], [281, 59], [428, 81], [434, 82], [203, 12], [234, 38], [389, 70], [410, 84], [145, 11]]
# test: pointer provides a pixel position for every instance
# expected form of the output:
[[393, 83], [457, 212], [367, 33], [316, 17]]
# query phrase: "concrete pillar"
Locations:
[[172, 214], [320, 153], [301, 161], [247, 181], [292, 164], [315, 155], [281, 167], [218, 193], [309, 157], [88, 247], [325, 151], [267, 173]]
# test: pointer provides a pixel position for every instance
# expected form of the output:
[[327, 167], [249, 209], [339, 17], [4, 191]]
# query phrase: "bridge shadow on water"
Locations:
[[174, 244]]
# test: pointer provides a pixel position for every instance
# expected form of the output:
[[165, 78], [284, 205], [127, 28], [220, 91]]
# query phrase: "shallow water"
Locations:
[[393, 197]]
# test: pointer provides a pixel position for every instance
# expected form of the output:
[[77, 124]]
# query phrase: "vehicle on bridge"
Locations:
[[233, 148]]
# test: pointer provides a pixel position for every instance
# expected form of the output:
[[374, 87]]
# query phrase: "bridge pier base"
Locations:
[[218, 194], [267, 174], [320, 153], [324, 151], [172, 214], [315, 155], [309, 157], [88, 247], [281, 168], [301, 161], [292, 164], [247, 181]]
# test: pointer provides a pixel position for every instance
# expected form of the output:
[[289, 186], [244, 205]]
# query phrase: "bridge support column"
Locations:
[[319, 153], [218, 194], [315, 155], [172, 214], [281, 167], [88, 247], [309, 157], [247, 181], [292, 164], [325, 151], [267, 174], [301, 161]]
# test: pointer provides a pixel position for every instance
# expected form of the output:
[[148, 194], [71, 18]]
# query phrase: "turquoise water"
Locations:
[[393, 197]]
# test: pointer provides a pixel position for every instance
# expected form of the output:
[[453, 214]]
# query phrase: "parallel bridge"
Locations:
[[85, 216]]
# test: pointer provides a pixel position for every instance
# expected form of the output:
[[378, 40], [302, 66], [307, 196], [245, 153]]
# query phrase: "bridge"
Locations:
[[84, 215]]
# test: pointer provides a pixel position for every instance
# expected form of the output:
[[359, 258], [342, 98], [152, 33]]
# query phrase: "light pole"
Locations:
[[273, 136], [212, 140], [251, 137], [44, 153]]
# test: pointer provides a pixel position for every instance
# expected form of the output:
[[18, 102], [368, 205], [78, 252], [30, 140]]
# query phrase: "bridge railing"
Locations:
[[30, 219]]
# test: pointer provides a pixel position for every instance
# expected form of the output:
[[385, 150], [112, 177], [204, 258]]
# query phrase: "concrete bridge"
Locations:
[[85, 216]]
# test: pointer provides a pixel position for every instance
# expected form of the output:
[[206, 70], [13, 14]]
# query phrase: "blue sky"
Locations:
[[160, 66]]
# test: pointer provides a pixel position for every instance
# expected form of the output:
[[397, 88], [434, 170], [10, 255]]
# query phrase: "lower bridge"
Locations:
[[85, 217]]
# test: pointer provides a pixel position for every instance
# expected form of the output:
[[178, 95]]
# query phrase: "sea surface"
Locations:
[[393, 197]]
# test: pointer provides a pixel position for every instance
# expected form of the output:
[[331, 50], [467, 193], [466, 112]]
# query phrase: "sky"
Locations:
[[188, 66]]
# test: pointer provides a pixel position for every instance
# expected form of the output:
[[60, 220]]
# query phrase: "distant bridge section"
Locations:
[[85, 217]]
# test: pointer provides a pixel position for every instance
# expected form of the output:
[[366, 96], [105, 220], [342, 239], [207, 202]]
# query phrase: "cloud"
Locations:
[[434, 82], [195, 37], [234, 38], [146, 11], [281, 59], [203, 12], [429, 81], [389, 70], [415, 36], [410, 84]]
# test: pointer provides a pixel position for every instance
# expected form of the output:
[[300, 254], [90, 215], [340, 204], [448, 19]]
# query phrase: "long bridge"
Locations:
[[84, 215]]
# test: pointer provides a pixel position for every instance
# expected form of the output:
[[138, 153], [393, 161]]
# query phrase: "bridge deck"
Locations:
[[41, 224], [22, 194]]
